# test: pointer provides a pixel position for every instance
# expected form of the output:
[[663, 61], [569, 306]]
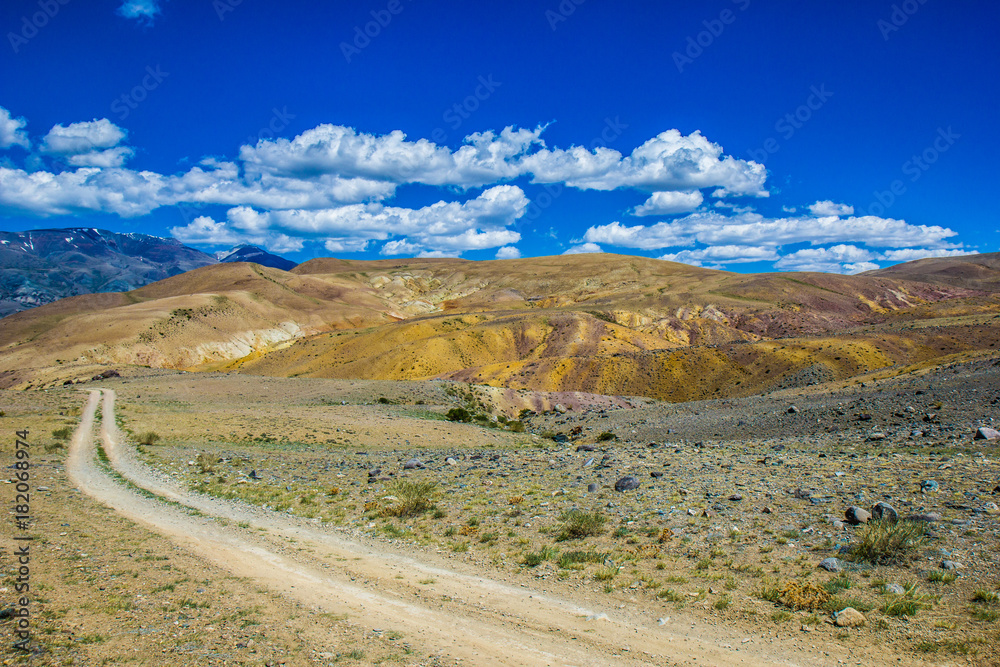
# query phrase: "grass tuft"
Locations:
[[886, 543], [578, 524], [414, 498]]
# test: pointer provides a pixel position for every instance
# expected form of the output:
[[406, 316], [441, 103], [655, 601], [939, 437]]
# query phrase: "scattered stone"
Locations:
[[895, 589], [856, 516], [585, 448], [928, 517], [591, 488], [986, 433], [560, 408], [929, 486], [831, 564], [561, 438], [767, 510], [951, 565], [663, 621], [656, 474], [450, 461], [849, 617], [876, 437], [802, 494], [885, 512], [598, 617], [736, 497], [627, 483], [413, 464], [253, 475], [793, 410], [708, 514]]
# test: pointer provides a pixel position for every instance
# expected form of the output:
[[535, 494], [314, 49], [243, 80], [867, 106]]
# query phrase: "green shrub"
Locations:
[[985, 596], [572, 557], [837, 584], [458, 415], [907, 604], [412, 498], [887, 543], [577, 525], [669, 594], [62, 433], [536, 558], [149, 438], [605, 436]]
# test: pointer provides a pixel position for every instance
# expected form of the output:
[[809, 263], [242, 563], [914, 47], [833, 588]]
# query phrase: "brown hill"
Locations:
[[602, 323], [981, 272]]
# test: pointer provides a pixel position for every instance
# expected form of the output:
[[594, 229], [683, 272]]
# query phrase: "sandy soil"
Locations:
[[471, 618]]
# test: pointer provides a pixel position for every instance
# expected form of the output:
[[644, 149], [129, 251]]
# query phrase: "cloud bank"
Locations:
[[333, 187]]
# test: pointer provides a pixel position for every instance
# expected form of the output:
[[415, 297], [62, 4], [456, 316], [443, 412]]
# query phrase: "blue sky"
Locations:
[[738, 134]]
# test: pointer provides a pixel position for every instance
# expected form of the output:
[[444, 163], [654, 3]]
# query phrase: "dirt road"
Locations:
[[463, 616]]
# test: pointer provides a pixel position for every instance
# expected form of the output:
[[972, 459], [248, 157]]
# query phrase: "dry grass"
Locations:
[[798, 595], [412, 498], [887, 543], [578, 525]]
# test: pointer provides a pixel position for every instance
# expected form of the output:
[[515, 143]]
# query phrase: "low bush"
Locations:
[[412, 498], [578, 524], [887, 543]]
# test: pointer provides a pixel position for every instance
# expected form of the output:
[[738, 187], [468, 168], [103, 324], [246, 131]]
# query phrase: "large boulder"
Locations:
[[857, 516], [628, 483]]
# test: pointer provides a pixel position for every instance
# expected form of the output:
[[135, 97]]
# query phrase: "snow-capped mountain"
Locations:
[[43, 265], [249, 253]]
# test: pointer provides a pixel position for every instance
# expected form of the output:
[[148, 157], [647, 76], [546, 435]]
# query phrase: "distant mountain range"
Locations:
[[44, 265], [249, 253], [595, 323]]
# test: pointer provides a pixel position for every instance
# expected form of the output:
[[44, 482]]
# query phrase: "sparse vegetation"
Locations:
[[149, 438], [888, 543], [412, 498], [578, 525], [797, 595]]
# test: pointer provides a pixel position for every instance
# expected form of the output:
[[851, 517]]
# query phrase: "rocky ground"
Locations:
[[705, 516]]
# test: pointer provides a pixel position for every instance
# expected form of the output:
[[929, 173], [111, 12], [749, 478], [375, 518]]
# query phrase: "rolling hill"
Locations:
[[601, 323]]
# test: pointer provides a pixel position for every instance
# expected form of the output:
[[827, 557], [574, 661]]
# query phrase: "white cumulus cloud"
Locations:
[[88, 144], [667, 203], [724, 254], [825, 208], [12, 131], [753, 229], [508, 252], [910, 254], [583, 248]]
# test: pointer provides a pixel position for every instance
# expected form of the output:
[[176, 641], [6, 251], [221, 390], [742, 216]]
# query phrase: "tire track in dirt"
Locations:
[[463, 616]]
